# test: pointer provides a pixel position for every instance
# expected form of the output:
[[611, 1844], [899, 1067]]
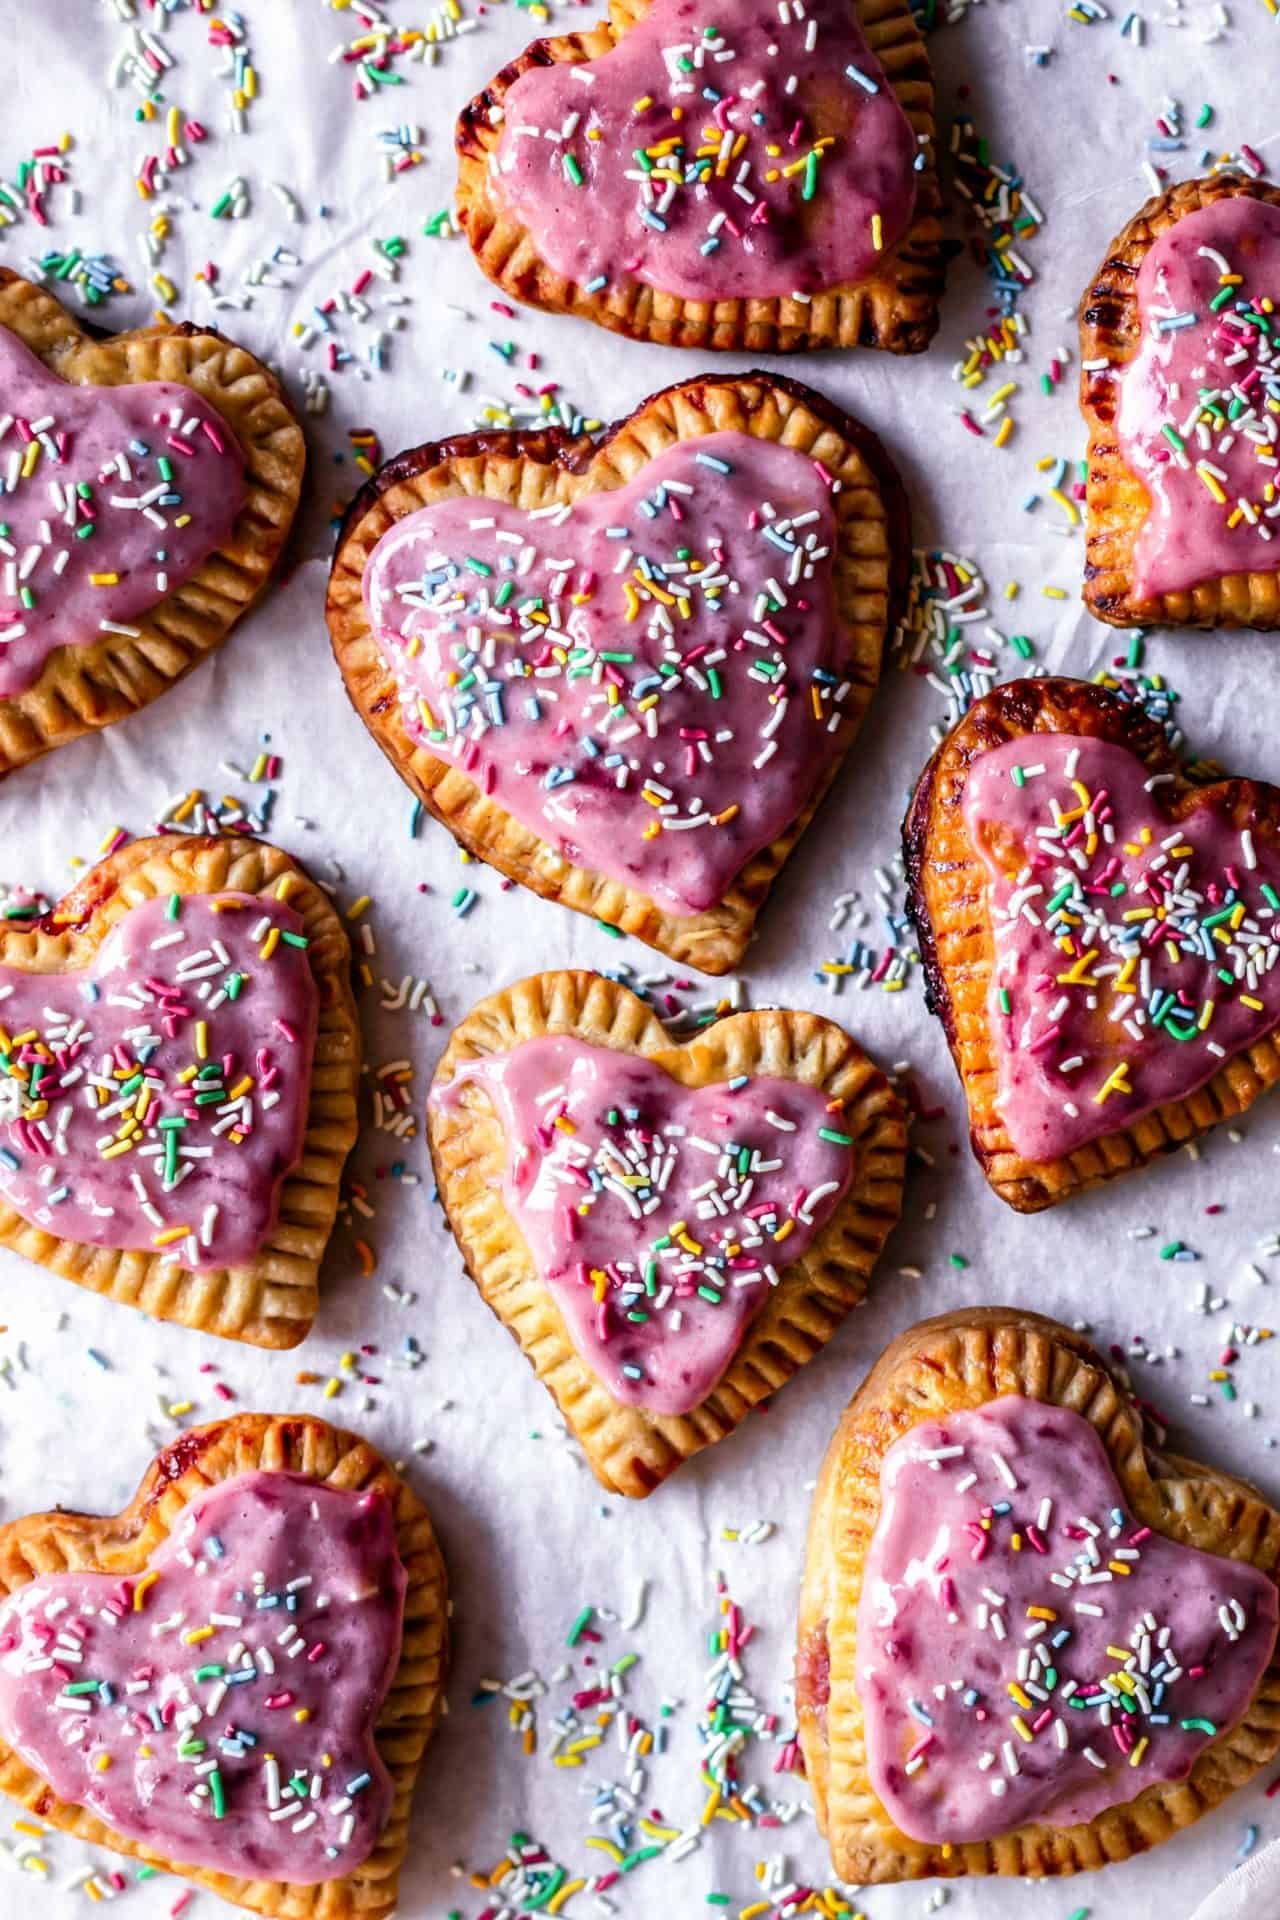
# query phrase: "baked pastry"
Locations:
[[235, 1678], [763, 182], [696, 609], [964, 1706], [670, 1232], [179, 1059], [150, 479], [1098, 935], [1179, 372]]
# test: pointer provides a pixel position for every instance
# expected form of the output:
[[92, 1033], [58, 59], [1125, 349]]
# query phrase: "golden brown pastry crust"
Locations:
[[629, 1450], [271, 1301], [948, 899], [871, 566], [897, 309], [84, 687], [50, 1543], [1116, 501], [956, 1362]]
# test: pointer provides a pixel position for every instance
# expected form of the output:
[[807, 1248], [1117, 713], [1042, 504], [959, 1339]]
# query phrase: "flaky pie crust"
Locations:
[[272, 1300], [1116, 500], [629, 1450], [950, 1364], [122, 1544], [84, 687], [948, 899], [896, 309], [531, 470]]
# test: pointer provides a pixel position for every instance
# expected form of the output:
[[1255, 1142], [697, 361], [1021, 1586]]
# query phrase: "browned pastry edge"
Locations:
[[897, 309], [270, 1301], [1116, 500], [632, 1451], [122, 1544], [947, 897], [871, 572], [956, 1362], [83, 687]]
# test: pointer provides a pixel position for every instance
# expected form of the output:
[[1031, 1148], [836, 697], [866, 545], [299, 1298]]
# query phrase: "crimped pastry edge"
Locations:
[[947, 899], [1116, 500], [81, 688], [271, 1301], [957, 1361], [199, 1458], [629, 1450], [532, 468]]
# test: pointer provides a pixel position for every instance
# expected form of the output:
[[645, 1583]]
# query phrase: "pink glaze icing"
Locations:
[[954, 1668], [206, 1739], [697, 693], [658, 1216], [1113, 928], [738, 97], [150, 532], [110, 1050], [1208, 379]]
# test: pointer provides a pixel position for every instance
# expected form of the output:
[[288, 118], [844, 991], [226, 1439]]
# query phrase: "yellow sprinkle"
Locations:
[[357, 907], [1021, 1728], [1136, 1756], [202, 1040], [142, 1589], [270, 944], [169, 1235], [196, 1635]]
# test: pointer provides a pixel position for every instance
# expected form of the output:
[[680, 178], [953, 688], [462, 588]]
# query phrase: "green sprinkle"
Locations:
[[1198, 1726], [219, 1796], [836, 1139], [573, 171], [958, 1260], [579, 1627]]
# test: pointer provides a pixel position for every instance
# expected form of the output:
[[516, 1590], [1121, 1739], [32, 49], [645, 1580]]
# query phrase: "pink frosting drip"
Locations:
[[150, 532], [756, 79], [115, 1041], [304, 1588], [1163, 909], [944, 1620], [659, 1217], [1187, 537], [568, 681]]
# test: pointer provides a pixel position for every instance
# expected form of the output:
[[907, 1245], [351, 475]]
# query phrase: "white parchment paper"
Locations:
[[529, 1539]]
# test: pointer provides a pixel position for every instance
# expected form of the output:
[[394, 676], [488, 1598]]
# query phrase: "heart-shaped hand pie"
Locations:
[[1099, 936], [235, 1678], [1180, 373], [150, 480], [670, 1232], [179, 1060], [626, 674], [763, 182], [1029, 1642]]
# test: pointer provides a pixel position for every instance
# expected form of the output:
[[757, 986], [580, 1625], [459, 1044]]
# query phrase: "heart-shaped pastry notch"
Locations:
[[264, 1626], [151, 479], [179, 1065], [669, 1231], [625, 674], [1096, 934], [979, 1685], [1178, 357], [763, 183]]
